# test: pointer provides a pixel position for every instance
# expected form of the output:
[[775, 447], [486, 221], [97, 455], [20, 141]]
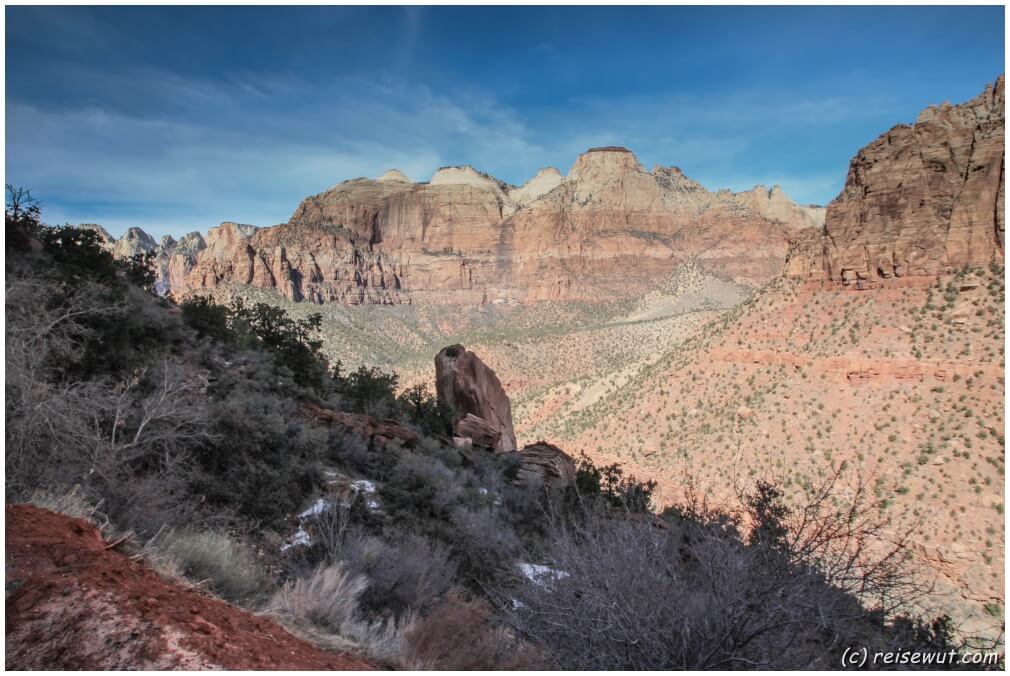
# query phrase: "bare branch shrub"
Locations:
[[41, 337], [855, 548], [461, 634], [692, 592]]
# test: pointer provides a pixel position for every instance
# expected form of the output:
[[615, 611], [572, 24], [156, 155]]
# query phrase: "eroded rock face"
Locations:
[[480, 406], [543, 464], [923, 199], [607, 229]]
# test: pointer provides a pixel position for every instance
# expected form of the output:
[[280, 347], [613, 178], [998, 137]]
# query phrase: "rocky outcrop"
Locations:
[[475, 395], [775, 205], [922, 199], [543, 464], [176, 261], [364, 426], [545, 181]]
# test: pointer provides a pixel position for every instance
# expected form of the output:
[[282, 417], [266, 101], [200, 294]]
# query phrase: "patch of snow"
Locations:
[[300, 539], [540, 575], [368, 488], [320, 506], [363, 485]]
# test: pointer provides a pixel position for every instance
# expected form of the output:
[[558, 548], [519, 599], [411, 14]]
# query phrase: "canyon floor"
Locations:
[[710, 384]]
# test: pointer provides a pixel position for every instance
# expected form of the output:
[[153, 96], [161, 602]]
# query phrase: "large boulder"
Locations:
[[472, 390], [543, 464]]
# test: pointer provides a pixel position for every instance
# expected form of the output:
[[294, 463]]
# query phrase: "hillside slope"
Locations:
[[72, 602]]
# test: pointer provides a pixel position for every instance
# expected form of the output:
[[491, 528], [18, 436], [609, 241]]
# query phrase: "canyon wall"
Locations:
[[608, 229], [922, 199]]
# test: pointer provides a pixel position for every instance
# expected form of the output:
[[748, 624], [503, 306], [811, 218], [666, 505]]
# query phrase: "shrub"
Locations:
[[229, 566], [208, 319], [407, 572], [697, 593], [263, 460], [484, 545], [460, 635], [420, 489], [326, 605], [425, 411], [327, 599], [611, 485], [347, 448], [293, 342], [60, 500], [367, 390]]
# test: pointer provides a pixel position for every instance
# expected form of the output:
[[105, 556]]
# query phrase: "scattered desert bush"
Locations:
[[229, 566]]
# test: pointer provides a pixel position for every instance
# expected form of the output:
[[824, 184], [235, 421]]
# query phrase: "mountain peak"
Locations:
[[604, 163], [394, 176], [675, 180], [546, 180], [467, 175]]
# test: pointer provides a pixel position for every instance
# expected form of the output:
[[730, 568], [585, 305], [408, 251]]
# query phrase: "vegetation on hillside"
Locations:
[[185, 426]]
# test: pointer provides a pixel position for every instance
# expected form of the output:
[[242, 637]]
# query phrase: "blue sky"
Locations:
[[175, 119]]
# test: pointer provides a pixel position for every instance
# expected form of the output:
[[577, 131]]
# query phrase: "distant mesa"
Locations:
[[609, 149]]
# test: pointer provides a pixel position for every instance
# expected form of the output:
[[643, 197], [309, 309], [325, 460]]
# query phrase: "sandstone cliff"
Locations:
[[922, 199], [609, 228]]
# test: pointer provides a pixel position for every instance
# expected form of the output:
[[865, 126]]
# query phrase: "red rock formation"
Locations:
[[607, 229], [922, 199], [365, 426], [544, 464], [472, 390]]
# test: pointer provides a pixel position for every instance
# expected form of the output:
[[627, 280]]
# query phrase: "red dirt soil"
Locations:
[[72, 603]]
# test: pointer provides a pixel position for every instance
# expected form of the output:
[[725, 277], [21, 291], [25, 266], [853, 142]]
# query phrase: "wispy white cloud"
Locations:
[[245, 160], [176, 153]]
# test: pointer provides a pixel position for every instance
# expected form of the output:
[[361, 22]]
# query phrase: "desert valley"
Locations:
[[698, 338], [610, 418]]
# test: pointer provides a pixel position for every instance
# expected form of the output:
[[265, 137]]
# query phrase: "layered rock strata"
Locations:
[[608, 229], [922, 199]]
